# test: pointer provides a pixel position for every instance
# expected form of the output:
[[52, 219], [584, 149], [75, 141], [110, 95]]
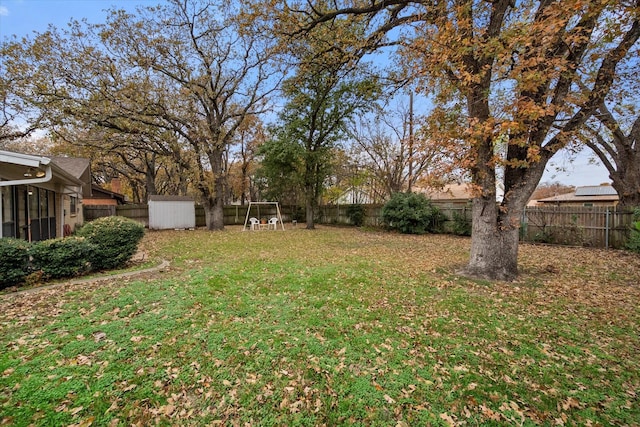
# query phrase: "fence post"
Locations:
[[606, 229], [523, 225]]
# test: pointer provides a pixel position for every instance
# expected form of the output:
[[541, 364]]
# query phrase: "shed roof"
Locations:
[[160, 198]]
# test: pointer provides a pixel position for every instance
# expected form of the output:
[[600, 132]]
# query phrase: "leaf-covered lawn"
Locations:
[[331, 327]]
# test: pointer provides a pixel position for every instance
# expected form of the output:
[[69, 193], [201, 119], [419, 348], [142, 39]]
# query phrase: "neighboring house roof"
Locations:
[[450, 192], [596, 190], [590, 194], [98, 192]]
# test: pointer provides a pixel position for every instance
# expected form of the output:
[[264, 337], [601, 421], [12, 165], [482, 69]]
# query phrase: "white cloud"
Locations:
[[4, 11]]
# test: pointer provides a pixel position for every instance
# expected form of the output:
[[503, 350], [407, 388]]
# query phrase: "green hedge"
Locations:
[[64, 257], [114, 239], [14, 257], [356, 214], [634, 238], [461, 225], [412, 213], [105, 243]]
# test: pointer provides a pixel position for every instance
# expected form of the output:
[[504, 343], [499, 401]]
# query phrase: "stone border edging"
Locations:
[[164, 264]]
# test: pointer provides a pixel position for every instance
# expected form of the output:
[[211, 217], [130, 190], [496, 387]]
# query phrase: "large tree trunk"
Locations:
[[214, 201], [494, 243], [626, 181], [150, 182], [310, 208], [214, 216]]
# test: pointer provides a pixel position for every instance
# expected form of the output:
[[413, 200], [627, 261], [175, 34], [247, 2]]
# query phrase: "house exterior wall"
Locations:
[[73, 215], [580, 203]]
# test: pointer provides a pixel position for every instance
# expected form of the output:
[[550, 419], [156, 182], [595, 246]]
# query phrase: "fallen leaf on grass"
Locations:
[[571, 402], [84, 423], [447, 419], [76, 410], [167, 409], [83, 360]]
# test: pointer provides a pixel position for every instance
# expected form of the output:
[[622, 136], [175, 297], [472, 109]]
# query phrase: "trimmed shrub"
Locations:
[[411, 213], [114, 239], [461, 225], [356, 214], [14, 258], [64, 257]]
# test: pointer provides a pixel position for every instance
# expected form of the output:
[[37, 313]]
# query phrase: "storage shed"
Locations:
[[171, 212]]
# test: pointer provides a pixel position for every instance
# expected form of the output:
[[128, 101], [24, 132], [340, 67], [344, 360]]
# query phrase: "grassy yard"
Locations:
[[331, 327]]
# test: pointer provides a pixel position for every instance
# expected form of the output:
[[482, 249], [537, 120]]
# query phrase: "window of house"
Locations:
[[7, 204], [52, 204], [587, 205], [44, 203], [73, 206], [34, 203]]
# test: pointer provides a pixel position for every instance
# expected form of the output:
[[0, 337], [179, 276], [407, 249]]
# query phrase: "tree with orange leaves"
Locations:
[[513, 68]]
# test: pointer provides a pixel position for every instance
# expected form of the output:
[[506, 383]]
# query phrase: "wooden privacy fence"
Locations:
[[233, 215], [603, 227], [598, 226]]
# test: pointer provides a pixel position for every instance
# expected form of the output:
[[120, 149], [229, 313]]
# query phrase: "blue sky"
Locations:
[[23, 17]]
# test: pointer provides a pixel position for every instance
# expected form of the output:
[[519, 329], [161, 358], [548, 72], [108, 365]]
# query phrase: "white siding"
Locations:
[[170, 214]]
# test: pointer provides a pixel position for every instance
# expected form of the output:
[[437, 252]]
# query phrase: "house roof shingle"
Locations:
[[75, 166]]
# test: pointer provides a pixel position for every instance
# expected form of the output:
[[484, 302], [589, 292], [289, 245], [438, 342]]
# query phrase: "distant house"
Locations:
[[353, 196], [597, 195], [454, 194], [41, 196], [102, 197]]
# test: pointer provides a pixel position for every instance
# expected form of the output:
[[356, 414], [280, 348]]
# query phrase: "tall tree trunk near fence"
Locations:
[[310, 206], [214, 215], [215, 218], [212, 193], [627, 186], [494, 242]]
